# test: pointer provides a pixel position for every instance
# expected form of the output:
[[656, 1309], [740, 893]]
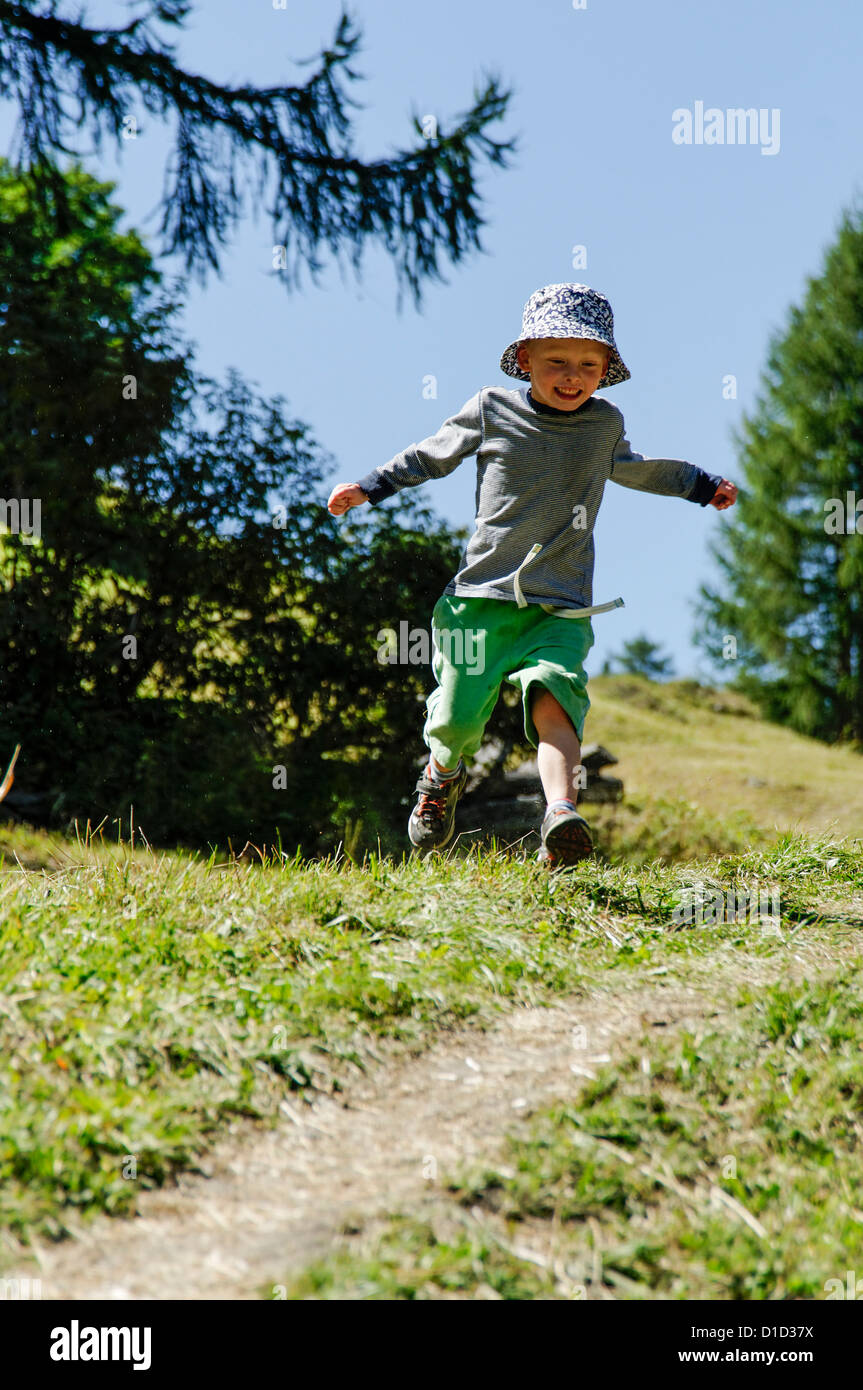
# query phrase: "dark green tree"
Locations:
[[292, 143], [787, 616], [190, 615], [641, 657], [163, 626]]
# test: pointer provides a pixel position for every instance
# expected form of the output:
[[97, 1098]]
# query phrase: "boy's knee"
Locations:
[[545, 708], [545, 705]]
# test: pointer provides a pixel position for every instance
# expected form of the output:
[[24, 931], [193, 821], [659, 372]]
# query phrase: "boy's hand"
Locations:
[[724, 496], [344, 496]]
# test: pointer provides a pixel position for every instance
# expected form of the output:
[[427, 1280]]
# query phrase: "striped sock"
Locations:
[[440, 777]]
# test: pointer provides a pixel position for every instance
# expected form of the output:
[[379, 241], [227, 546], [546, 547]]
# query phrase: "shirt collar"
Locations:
[[551, 409]]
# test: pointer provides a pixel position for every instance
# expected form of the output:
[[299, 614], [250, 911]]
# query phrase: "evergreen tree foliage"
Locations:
[[293, 143], [189, 617], [787, 617], [190, 632], [642, 657]]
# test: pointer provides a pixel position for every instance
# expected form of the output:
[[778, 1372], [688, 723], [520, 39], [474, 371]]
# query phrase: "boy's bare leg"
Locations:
[[559, 753]]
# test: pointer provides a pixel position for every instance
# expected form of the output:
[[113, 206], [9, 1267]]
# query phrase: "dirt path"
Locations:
[[275, 1200]]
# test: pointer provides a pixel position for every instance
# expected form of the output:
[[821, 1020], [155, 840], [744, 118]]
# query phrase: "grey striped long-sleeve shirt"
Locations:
[[540, 477]]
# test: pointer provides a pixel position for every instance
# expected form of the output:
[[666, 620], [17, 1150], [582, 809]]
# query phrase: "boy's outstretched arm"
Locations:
[[434, 457], [668, 477]]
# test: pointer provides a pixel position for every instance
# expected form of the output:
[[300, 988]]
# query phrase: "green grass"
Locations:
[[722, 1165], [149, 1002], [413, 1261]]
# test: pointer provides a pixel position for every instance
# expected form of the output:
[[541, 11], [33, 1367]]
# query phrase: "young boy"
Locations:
[[523, 592]]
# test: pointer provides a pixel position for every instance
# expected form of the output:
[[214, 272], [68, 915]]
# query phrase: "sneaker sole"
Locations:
[[428, 848], [567, 844], [438, 844]]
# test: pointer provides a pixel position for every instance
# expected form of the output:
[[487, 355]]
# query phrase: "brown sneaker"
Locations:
[[432, 820], [566, 838]]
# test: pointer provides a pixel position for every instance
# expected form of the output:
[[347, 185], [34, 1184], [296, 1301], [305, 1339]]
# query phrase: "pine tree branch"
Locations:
[[420, 203]]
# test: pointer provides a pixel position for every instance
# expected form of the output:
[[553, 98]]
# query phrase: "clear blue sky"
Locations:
[[701, 248]]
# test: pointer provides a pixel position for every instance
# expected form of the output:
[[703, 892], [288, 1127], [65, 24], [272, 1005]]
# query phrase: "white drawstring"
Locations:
[[583, 612], [520, 599], [514, 576], [516, 580]]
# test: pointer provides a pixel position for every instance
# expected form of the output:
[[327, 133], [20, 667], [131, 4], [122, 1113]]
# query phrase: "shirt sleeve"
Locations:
[[668, 477], [705, 489], [435, 457]]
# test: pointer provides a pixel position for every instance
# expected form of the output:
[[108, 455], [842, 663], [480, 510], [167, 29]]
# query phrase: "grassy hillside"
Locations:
[[153, 1001], [150, 1003], [712, 749]]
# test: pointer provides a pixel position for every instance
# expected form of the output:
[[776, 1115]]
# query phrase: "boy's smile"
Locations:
[[564, 372]]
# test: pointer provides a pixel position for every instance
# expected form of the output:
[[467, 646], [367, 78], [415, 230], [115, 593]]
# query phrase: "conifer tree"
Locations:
[[642, 657], [789, 610], [419, 203]]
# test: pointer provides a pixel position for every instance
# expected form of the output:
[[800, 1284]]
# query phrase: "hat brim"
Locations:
[[617, 368]]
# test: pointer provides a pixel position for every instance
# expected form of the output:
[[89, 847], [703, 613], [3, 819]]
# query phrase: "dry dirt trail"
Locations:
[[277, 1199]]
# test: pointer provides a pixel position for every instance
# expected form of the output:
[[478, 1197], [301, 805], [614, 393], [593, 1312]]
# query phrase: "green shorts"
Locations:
[[482, 642]]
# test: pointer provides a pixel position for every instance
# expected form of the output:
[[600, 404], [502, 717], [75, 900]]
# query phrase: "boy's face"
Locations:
[[564, 372]]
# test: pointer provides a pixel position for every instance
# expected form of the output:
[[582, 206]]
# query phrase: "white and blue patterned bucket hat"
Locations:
[[568, 311]]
